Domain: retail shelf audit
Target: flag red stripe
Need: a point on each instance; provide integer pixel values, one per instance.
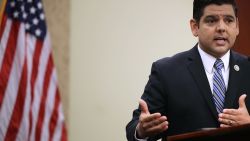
(41, 113)
(35, 64)
(17, 113)
(54, 117)
(8, 59)
(4, 20)
(64, 133)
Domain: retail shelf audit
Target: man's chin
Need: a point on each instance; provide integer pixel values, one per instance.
(221, 52)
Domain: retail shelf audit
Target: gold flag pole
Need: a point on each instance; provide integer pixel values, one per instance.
(2, 7)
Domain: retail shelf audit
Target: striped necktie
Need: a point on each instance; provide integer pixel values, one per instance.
(219, 88)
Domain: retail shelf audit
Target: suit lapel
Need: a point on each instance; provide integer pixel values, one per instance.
(196, 68)
(234, 79)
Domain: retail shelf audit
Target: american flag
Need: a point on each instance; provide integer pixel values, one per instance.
(30, 106)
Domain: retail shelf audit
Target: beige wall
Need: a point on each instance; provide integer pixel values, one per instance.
(112, 46)
(107, 48)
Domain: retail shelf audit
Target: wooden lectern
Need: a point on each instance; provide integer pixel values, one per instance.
(238, 133)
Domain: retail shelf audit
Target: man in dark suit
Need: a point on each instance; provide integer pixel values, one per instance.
(205, 87)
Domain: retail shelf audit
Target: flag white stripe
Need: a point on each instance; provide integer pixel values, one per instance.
(4, 40)
(13, 84)
(30, 43)
(39, 84)
(49, 106)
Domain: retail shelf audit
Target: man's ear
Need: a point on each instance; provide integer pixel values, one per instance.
(194, 27)
(237, 26)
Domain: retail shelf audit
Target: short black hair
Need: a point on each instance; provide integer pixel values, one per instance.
(199, 6)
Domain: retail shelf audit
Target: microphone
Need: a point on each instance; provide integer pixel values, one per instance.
(206, 128)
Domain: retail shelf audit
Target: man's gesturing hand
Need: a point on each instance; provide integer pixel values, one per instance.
(234, 117)
(150, 124)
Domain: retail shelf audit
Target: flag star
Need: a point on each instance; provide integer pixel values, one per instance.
(12, 4)
(32, 10)
(42, 16)
(35, 21)
(25, 15)
(15, 14)
(38, 32)
(39, 5)
(29, 1)
(27, 26)
(22, 7)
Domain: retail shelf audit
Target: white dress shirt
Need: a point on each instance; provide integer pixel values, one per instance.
(208, 63)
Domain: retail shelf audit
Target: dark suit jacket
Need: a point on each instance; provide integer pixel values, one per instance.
(178, 88)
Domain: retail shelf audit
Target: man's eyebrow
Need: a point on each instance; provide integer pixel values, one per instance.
(210, 16)
(229, 16)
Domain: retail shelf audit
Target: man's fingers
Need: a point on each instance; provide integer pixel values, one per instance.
(224, 125)
(151, 117)
(242, 101)
(143, 106)
(159, 128)
(227, 116)
(154, 122)
(225, 121)
(231, 111)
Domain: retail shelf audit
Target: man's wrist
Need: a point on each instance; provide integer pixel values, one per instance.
(137, 136)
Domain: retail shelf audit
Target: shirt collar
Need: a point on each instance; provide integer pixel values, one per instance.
(208, 60)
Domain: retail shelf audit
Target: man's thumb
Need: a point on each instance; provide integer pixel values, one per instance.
(143, 106)
(242, 101)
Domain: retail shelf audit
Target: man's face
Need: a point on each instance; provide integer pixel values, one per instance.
(217, 29)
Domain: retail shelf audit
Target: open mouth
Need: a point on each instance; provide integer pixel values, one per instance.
(220, 40)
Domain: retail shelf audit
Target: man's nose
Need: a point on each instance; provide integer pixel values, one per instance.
(221, 26)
